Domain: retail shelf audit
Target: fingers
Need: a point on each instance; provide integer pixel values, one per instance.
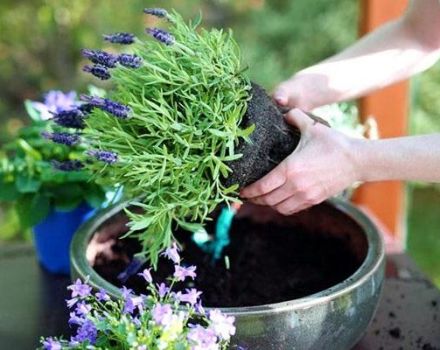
(281, 95)
(276, 196)
(299, 119)
(292, 205)
(268, 183)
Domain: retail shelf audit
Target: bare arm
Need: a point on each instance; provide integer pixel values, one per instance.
(392, 53)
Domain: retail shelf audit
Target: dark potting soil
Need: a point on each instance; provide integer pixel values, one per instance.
(271, 142)
(268, 264)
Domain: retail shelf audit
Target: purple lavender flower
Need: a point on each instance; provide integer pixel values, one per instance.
(202, 338)
(130, 61)
(86, 332)
(120, 38)
(157, 12)
(100, 57)
(51, 344)
(181, 273)
(172, 253)
(161, 35)
(68, 165)
(191, 296)
(146, 274)
(108, 157)
(162, 314)
(63, 138)
(102, 295)
(162, 290)
(55, 102)
(222, 324)
(79, 289)
(99, 71)
(117, 109)
(70, 118)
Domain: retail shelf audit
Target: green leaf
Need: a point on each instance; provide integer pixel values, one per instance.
(31, 111)
(8, 191)
(94, 196)
(32, 209)
(27, 184)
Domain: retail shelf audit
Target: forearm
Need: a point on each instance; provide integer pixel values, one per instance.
(406, 158)
(392, 53)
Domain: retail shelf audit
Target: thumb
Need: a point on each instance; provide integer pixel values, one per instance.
(281, 95)
(298, 118)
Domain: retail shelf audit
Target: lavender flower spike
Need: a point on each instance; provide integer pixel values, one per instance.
(63, 138)
(130, 61)
(117, 109)
(100, 57)
(108, 157)
(70, 118)
(161, 35)
(68, 165)
(157, 12)
(98, 71)
(120, 38)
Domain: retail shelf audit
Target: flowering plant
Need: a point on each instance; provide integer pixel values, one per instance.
(27, 177)
(162, 319)
(170, 126)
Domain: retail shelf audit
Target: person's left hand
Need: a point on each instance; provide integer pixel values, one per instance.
(323, 165)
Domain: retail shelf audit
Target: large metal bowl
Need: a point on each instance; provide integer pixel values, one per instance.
(335, 318)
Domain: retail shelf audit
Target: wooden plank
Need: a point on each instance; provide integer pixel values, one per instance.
(390, 108)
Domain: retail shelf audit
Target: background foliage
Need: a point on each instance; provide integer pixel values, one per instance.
(40, 42)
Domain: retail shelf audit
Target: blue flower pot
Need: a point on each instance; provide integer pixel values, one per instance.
(52, 237)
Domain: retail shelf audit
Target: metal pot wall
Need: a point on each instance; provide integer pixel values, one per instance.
(335, 318)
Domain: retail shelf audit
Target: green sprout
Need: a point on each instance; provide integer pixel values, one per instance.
(186, 96)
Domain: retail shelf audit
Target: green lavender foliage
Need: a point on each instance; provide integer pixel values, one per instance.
(187, 102)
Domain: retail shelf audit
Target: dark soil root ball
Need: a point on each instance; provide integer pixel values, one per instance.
(271, 142)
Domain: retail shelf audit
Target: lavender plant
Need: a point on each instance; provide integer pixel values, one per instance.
(170, 125)
(160, 319)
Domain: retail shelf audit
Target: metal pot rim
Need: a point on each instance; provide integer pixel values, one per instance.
(372, 262)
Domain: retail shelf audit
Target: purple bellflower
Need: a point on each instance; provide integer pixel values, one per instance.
(51, 344)
(55, 102)
(161, 35)
(181, 273)
(120, 38)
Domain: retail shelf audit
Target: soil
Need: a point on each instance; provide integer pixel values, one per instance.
(269, 263)
(271, 142)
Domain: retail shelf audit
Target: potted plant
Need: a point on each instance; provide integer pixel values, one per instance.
(182, 130)
(53, 203)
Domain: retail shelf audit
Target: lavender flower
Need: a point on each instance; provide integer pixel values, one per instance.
(117, 109)
(130, 61)
(146, 274)
(70, 118)
(172, 253)
(79, 289)
(86, 332)
(162, 314)
(100, 57)
(68, 165)
(63, 138)
(157, 12)
(108, 157)
(55, 102)
(191, 297)
(99, 71)
(161, 35)
(51, 344)
(120, 38)
(222, 325)
(181, 273)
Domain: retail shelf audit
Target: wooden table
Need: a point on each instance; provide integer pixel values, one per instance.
(32, 305)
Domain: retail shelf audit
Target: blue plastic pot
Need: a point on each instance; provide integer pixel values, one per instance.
(52, 237)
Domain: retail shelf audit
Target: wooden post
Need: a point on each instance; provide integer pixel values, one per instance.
(386, 200)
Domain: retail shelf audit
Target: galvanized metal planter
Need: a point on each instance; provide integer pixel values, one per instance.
(334, 318)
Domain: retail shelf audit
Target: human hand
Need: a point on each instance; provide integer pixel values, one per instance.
(323, 165)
